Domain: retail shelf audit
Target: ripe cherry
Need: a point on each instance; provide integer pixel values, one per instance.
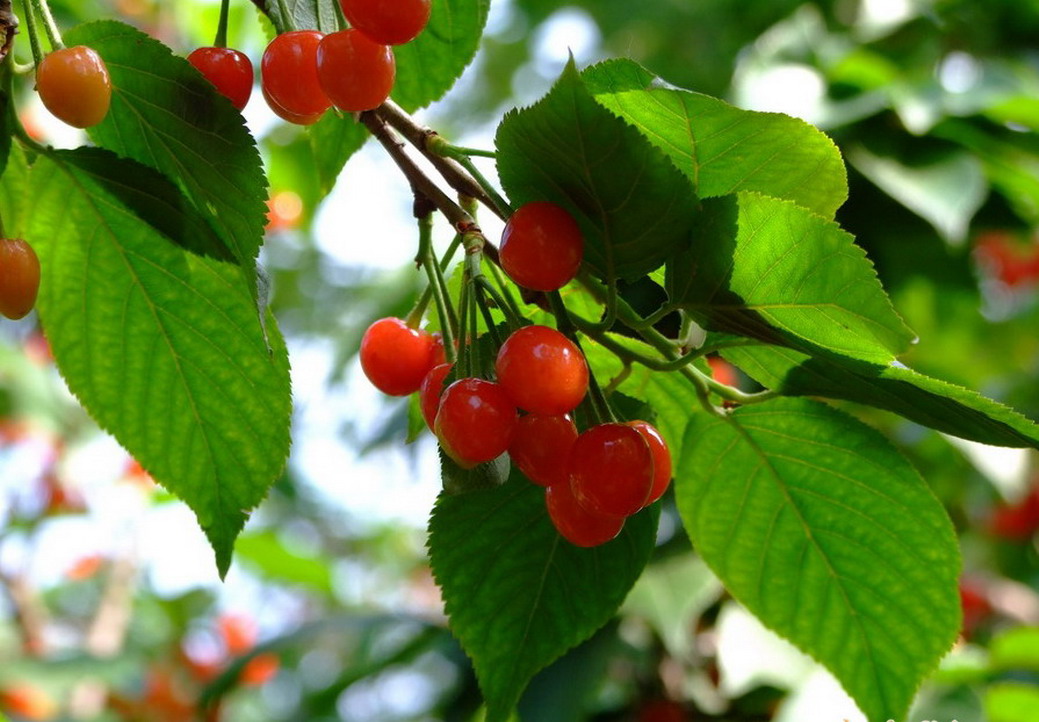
(541, 247)
(575, 523)
(542, 370)
(396, 357)
(475, 422)
(431, 390)
(286, 115)
(19, 277)
(540, 447)
(229, 70)
(288, 72)
(390, 22)
(356, 72)
(74, 85)
(611, 470)
(661, 458)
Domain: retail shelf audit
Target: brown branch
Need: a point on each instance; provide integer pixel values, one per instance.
(30, 614)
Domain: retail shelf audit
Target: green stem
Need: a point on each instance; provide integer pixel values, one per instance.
(600, 406)
(465, 353)
(438, 146)
(53, 33)
(34, 37)
(474, 329)
(655, 317)
(221, 26)
(515, 321)
(341, 20)
(481, 301)
(608, 296)
(446, 314)
(506, 291)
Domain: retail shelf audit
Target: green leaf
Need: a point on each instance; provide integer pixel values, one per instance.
(519, 595)
(268, 554)
(165, 115)
(430, 64)
(1016, 649)
(940, 405)
(13, 199)
(946, 193)
(303, 15)
(160, 345)
(634, 207)
(1011, 702)
(721, 148)
(817, 525)
(769, 269)
(333, 139)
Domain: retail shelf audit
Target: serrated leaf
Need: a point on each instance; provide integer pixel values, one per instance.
(160, 345)
(333, 139)
(519, 595)
(769, 269)
(634, 207)
(721, 148)
(165, 115)
(940, 405)
(430, 64)
(817, 525)
(303, 15)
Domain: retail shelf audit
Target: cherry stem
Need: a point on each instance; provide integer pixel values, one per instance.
(511, 306)
(341, 20)
(53, 33)
(437, 286)
(601, 410)
(34, 38)
(221, 25)
(438, 146)
(453, 173)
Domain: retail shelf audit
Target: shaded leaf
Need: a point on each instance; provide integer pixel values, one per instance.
(818, 526)
(303, 15)
(333, 139)
(160, 345)
(769, 269)
(517, 594)
(940, 405)
(721, 148)
(634, 207)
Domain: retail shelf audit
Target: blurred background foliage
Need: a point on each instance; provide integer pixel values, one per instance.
(110, 610)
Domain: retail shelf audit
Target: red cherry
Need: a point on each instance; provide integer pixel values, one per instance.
(542, 370)
(475, 422)
(576, 524)
(390, 22)
(356, 73)
(19, 277)
(74, 86)
(611, 470)
(286, 115)
(229, 70)
(540, 447)
(661, 458)
(430, 392)
(288, 72)
(396, 357)
(1019, 521)
(541, 247)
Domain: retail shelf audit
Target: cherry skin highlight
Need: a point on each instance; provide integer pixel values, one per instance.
(542, 370)
(611, 470)
(541, 247)
(541, 446)
(74, 86)
(475, 422)
(355, 72)
(390, 22)
(396, 357)
(230, 71)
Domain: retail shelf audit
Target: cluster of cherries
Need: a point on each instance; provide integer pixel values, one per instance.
(593, 480)
(305, 72)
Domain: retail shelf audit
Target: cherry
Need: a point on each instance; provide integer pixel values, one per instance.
(475, 422)
(661, 458)
(390, 22)
(288, 72)
(288, 116)
(19, 277)
(611, 470)
(542, 370)
(396, 357)
(355, 72)
(74, 85)
(229, 70)
(431, 390)
(541, 247)
(540, 447)
(575, 523)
